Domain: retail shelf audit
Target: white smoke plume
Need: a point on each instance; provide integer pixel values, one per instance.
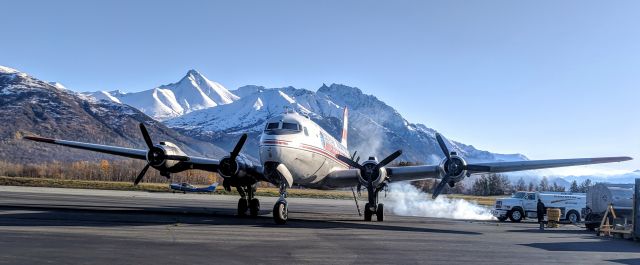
(406, 200)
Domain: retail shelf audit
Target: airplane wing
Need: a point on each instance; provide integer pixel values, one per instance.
(500, 167)
(197, 162)
(157, 155)
(432, 171)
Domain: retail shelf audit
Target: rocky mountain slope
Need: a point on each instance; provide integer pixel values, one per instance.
(29, 106)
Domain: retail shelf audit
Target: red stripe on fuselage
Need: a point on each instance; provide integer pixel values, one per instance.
(314, 150)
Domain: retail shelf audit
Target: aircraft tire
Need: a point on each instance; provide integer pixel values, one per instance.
(280, 212)
(367, 212)
(242, 207)
(380, 212)
(254, 207)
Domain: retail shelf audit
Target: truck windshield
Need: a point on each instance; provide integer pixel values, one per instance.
(518, 195)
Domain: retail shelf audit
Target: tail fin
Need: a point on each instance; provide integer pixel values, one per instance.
(345, 126)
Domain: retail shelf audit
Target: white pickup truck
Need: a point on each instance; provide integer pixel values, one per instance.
(524, 204)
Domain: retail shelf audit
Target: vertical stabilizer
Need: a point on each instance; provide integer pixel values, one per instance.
(345, 126)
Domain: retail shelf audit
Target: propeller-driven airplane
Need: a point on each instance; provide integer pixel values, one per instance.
(186, 187)
(296, 150)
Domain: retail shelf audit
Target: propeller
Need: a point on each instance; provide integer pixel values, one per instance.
(155, 155)
(228, 165)
(454, 166)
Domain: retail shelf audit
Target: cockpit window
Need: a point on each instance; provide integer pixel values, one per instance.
(272, 126)
(290, 126)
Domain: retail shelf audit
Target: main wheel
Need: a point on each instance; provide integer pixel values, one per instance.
(242, 207)
(367, 213)
(516, 216)
(380, 212)
(254, 207)
(573, 217)
(502, 218)
(280, 212)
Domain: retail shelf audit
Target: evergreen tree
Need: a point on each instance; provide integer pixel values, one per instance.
(544, 184)
(520, 185)
(574, 186)
(584, 186)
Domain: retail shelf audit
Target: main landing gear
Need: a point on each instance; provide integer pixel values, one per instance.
(248, 201)
(280, 209)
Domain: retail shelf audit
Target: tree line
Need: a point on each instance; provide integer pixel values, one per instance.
(103, 170)
(497, 184)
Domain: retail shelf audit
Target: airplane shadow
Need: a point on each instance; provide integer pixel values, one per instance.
(80, 215)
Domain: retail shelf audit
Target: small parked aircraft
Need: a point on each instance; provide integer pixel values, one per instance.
(186, 187)
(296, 150)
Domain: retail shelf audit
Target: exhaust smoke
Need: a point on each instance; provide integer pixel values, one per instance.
(406, 200)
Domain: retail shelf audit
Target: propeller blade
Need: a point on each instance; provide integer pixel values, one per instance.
(177, 157)
(354, 155)
(145, 135)
(479, 168)
(443, 146)
(440, 186)
(141, 175)
(349, 161)
(389, 158)
(236, 150)
(357, 159)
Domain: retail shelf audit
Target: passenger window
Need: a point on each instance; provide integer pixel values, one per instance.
(305, 131)
(290, 126)
(272, 126)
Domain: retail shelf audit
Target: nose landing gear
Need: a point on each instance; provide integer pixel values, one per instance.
(280, 209)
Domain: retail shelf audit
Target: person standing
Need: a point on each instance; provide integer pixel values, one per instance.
(540, 214)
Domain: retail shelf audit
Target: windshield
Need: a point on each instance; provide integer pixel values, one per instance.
(290, 126)
(272, 126)
(518, 195)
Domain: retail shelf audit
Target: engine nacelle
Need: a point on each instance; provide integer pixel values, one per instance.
(234, 168)
(156, 156)
(455, 167)
(378, 177)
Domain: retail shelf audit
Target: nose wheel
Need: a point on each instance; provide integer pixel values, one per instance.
(280, 212)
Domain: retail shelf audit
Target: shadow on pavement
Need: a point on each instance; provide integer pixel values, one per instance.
(626, 261)
(79, 215)
(598, 246)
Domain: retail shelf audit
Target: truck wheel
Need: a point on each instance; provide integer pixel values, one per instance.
(573, 217)
(502, 218)
(516, 215)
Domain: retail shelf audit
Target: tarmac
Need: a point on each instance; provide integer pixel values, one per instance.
(75, 226)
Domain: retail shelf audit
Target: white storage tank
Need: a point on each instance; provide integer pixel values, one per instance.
(601, 195)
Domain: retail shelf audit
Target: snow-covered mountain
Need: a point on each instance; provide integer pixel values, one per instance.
(29, 106)
(374, 127)
(193, 92)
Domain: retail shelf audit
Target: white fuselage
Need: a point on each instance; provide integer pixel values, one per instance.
(307, 150)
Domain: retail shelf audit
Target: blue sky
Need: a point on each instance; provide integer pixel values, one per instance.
(549, 79)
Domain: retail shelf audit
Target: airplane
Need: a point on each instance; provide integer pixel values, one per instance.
(295, 150)
(186, 187)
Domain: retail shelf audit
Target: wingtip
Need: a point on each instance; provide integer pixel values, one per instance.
(39, 139)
